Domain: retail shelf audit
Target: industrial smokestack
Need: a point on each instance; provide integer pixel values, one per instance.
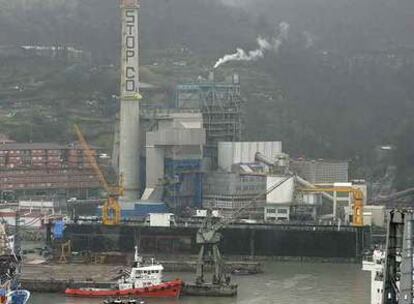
(211, 76)
(129, 113)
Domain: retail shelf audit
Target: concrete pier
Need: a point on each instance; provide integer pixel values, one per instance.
(57, 277)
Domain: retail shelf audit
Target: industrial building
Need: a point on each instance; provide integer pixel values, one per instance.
(239, 178)
(321, 171)
(45, 169)
(177, 146)
(174, 157)
(265, 165)
(221, 106)
(229, 191)
(279, 201)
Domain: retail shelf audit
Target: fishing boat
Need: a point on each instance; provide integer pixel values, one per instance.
(144, 280)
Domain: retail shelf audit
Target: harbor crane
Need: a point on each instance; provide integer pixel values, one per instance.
(209, 237)
(111, 211)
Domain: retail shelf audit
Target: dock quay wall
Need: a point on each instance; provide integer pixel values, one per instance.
(295, 242)
(58, 285)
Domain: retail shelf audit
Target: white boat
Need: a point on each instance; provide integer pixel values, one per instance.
(375, 264)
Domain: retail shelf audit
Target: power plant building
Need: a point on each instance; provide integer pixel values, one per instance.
(221, 106)
(174, 158)
(229, 191)
(321, 171)
(239, 179)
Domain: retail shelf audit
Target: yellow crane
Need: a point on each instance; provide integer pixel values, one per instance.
(357, 200)
(111, 211)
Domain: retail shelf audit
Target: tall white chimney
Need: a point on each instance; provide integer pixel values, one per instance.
(130, 97)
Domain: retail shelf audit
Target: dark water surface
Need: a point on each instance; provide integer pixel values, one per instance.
(281, 283)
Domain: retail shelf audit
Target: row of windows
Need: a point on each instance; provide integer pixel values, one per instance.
(42, 152)
(18, 152)
(237, 189)
(149, 271)
(245, 179)
(59, 171)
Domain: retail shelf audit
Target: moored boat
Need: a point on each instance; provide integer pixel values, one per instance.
(145, 280)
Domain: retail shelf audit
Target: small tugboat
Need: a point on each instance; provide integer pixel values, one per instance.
(145, 280)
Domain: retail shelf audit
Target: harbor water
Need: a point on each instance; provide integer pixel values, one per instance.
(281, 283)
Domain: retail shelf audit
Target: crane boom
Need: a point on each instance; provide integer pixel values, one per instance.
(91, 159)
(111, 211)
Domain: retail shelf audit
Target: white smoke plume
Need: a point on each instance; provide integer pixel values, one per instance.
(264, 46)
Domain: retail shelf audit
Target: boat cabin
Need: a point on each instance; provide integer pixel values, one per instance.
(142, 275)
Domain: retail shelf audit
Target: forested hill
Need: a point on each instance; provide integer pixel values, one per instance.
(340, 85)
(204, 26)
(341, 25)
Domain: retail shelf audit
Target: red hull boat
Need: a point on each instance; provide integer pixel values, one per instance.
(170, 289)
(143, 280)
